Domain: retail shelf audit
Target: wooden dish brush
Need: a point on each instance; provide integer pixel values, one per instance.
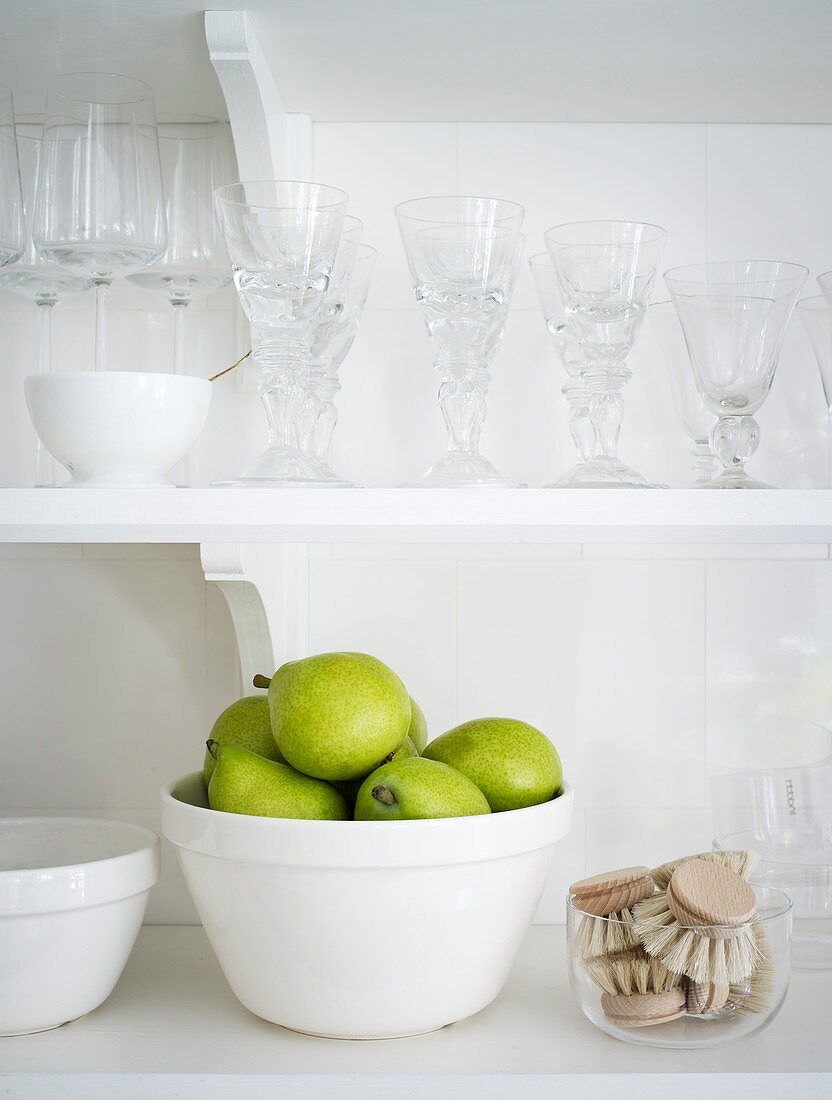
(743, 863)
(754, 994)
(637, 991)
(606, 899)
(701, 925)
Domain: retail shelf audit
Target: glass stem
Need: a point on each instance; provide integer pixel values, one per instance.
(44, 463)
(179, 308)
(101, 303)
(703, 462)
(462, 399)
(734, 439)
(606, 405)
(581, 427)
(283, 366)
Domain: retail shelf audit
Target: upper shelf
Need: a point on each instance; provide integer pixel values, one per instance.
(415, 515)
(465, 61)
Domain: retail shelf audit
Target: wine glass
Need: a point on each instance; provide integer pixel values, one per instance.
(691, 413)
(463, 254)
(12, 226)
(573, 360)
(99, 210)
(605, 272)
(197, 157)
(816, 315)
(734, 316)
(35, 279)
(332, 348)
(283, 238)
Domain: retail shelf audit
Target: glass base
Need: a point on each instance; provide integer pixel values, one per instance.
(457, 470)
(282, 466)
(602, 473)
(733, 479)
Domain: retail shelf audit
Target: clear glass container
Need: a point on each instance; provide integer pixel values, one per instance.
(782, 809)
(12, 226)
(816, 315)
(749, 1007)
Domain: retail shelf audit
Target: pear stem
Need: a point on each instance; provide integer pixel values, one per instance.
(261, 681)
(212, 746)
(383, 794)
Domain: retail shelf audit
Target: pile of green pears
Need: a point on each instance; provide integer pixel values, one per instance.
(338, 737)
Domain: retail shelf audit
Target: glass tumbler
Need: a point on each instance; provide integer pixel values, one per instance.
(282, 239)
(816, 315)
(780, 805)
(605, 273)
(749, 1007)
(463, 254)
(734, 316)
(12, 227)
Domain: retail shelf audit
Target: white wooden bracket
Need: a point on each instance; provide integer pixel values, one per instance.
(265, 586)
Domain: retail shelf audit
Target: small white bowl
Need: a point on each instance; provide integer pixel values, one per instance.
(73, 892)
(118, 429)
(363, 929)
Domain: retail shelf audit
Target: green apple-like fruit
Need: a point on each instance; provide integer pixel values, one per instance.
(418, 732)
(412, 787)
(335, 715)
(245, 783)
(245, 723)
(512, 763)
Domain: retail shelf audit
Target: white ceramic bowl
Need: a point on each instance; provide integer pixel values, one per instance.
(73, 893)
(363, 929)
(115, 429)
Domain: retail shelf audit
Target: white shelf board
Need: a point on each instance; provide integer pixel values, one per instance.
(415, 515)
(173, 1029)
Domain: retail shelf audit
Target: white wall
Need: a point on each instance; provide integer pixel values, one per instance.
(115, 659)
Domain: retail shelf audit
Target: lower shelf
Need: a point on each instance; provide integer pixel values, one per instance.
(173, 1030)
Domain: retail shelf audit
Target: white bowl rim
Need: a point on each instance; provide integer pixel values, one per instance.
(61, 377)
(377, 844)
(51, 889)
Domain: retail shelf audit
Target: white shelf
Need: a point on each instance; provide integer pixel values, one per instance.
(172, 1029)
(415, 515)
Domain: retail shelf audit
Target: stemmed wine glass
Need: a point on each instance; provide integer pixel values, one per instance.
(816, 315)
(605, 272)
(734, 316)
(12, 225)
(35, 279)
(576, 390)
(197, 157)
(99, 210)
(283, 239)
(463, 254)
(332, 346)
(691, 413)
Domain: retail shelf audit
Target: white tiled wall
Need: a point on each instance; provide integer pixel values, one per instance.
(113, 660)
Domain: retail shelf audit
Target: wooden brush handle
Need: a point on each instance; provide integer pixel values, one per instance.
(644, 1009)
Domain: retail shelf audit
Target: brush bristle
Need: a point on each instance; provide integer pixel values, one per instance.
(595, 936)
(689, 952)
(630, 972)
(743, 863)
(753, 995)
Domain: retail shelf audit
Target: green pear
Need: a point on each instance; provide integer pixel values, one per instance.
(512, 763)
(245, 723)
(418, 732)
(349, 788)
(413, 787)
(245, 783)
(335, 715)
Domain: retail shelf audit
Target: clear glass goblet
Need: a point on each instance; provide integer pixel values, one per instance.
(36, 279)
(576, 390)
(197, 157)
(463, 253)
(816, 315)
(605, 272)
(734, 316)
(691, 413)
(282, 238)
(12, 226)
(331, 347)
(99, 209)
